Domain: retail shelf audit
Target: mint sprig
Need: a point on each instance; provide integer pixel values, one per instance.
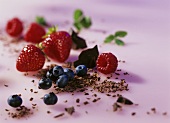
(41, 20)
(80, 20)
(116, 38)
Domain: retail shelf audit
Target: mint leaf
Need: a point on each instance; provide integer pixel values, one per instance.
(78, 26)
(109, 39)
(41, 20)
(119, 42)
(77, 14)
(120, 34)
(81, 21)
(86, 22)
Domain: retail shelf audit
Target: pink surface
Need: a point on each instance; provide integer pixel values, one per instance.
(146, 54)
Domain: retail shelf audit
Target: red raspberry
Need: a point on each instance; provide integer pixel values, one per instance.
(14, 27)
(35, 33)
(107, 63)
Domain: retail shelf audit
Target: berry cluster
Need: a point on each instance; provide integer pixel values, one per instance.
(60, 76)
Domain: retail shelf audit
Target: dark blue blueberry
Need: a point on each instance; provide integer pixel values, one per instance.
(50, 75)
(45, 83)
(57, 71)
(81, 70)
(62, 81)
(14, 101)
(69, 73)
(50, 99)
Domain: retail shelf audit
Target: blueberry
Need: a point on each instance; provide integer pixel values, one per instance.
(57, 71)
(62, 81)
(50, 99)
(45, 83)
(81, 70)
(69, 73)
(14, 101)
(50, 75)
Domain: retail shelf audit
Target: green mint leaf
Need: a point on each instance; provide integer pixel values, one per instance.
(120, 34)
(41, 20)
(119, 42)
(109, 39)
(86, 22)
(78, 42)
(78, 26)
(124, 100)
(77, 15)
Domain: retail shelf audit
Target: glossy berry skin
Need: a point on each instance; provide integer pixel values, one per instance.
(58, 45)
(45, 83)
(14, 101)
(62, 81)
(14, 27)
(57, 71)
(107, 63)
(50, 75)
(69, 73)
(81, 70)
(31, 58)
(34, 33)
(50, 99)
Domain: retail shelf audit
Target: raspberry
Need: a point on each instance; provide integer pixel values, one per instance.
(35, 33)
(14, 27)
(107, 63)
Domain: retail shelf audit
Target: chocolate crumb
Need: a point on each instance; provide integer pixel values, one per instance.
(59, 115)
(77, 100)
(33, 81)
(133, 113)
(153, 109)
(31, 90)
(86, 93)
(31, 99)
(6, 109)
(86, 112)
(148, 112)
(164, 113)
(6, 85)
(86, 102)
(65, 101)
(70, 110)
(48, 112)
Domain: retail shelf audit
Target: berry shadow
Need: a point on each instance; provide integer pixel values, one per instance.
(129, 77)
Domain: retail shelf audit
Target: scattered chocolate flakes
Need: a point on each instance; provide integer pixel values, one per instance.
(6, 85)
(124, 100)
(31, 99)
(116, 107)
(148, 112)
(117, 74)
(164, 113)
(133, 113)
(59, 115)
(126, 73)
(153, 110)
(88, 57)
(48, 112)
(95, 100)
(86, 112)
(20, 112)
(6, 109)
(86, 93)
(77, 100)
(70, 110)
(31, 90)
(33, 81)
(65, 101)
(86, 102)
(35, 92)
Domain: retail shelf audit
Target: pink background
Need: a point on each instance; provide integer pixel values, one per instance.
(146, 54)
